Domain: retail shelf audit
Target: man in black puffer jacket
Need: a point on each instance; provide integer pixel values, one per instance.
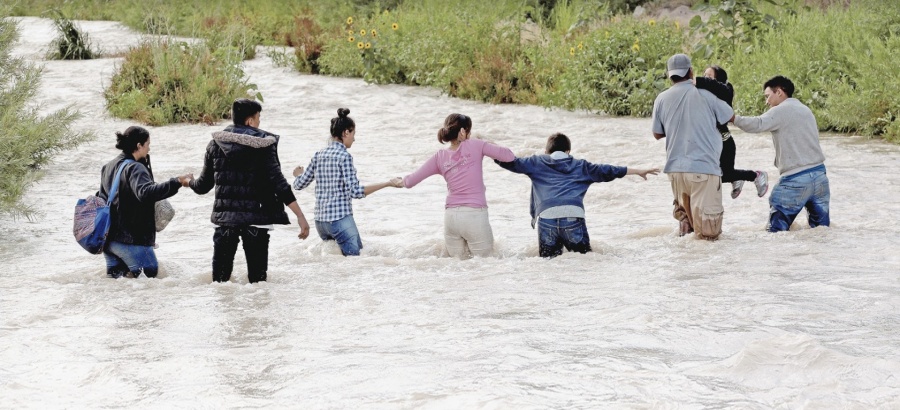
(251, 192)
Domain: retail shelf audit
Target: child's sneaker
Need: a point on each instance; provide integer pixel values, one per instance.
(762, 183)
(736, 188)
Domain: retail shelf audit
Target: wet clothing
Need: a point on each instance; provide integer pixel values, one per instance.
(687, 117)
(799, 158)
(336, 182)
(725, 92)
(559, 183)
(795, 134)
(462, 169)
(242, 163)
(132, 211)
(560, 180)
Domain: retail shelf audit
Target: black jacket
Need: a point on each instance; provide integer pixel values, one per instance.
(242, 163)
(132, 210)
(722, 91)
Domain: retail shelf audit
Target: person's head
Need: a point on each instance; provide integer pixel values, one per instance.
(678, 68)
(135, 141)
(456, 127)
(245, 111)
(717, 73)
(343, 129)
(778, 89)
(558, 142)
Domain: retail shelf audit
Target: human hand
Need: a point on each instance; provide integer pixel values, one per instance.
(185, 180)
(396, 182)
(304, 227)
(643, 172)
(298, 171)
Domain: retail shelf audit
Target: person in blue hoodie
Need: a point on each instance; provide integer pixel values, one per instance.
(558, 185)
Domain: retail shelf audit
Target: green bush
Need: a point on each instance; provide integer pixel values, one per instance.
(618, 69)
(28, 139)
(165, 81)
(841, 62)
(71, 43)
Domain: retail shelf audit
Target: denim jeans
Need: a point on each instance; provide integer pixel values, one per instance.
(554, 234)
(807, 189)
(344, 232)
(125, 259)
(256, 250)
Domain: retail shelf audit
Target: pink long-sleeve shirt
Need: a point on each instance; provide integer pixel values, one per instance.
(462, 169)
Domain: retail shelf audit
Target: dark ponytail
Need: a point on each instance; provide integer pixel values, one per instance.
(128, 141)
(342, 123)
(452, 125)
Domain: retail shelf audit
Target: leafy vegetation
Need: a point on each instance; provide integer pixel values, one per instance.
(28, 139)
(71, 43)
(574, 54)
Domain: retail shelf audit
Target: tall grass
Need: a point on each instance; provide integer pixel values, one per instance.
(29, 139)
(71, 43)
(560, 53)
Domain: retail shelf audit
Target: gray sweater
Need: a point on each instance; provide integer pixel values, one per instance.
(794, 133)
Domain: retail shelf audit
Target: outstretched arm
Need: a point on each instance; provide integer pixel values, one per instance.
(394, 182)
(642, 172)
(427, 169)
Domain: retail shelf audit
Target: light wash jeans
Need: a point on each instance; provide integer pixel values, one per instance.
(807, 189)
(467, 231)
(126, 259)
(344, 232)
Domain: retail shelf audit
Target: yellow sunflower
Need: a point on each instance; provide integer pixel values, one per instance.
(395, 26)
(362, 32)
(572, 51)
(350, 39)
(368, 44)
(652, 22)
(349, 21)
(360, 45)
(374, 33)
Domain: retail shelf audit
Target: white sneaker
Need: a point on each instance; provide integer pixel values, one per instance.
(762, 183)
(736, 188)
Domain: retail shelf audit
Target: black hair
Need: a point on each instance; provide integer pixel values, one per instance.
(782, 82)
(242, 109)
(558, 142)
(342, 123)
(128, 141)
(719, 74)
(452, 125)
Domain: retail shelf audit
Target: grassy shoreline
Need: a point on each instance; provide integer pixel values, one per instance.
(572, 54)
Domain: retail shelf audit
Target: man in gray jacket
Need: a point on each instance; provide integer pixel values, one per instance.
(798, 156)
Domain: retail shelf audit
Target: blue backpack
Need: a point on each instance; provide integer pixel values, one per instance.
(92, 217)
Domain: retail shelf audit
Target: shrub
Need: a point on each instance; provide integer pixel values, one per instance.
(619, 68)
(165, 81)
(71, 43)
(28, 139)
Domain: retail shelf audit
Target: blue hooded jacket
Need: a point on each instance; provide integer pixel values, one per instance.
(558, 182)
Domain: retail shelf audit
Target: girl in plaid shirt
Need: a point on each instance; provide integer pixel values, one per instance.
(336, 185)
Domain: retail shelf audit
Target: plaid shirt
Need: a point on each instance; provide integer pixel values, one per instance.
(336, 182)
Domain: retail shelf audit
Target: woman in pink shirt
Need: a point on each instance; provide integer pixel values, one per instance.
(466, 226)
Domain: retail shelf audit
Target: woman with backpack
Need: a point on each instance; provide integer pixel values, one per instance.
(132, 232)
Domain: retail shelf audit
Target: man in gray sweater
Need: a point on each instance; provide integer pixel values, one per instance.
(798, 157)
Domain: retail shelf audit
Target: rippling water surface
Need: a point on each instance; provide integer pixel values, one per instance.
(804, 319)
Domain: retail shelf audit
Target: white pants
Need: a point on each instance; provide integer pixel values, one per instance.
(467, 231)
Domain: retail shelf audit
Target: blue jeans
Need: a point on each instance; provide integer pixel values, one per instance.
(554, 234)
(123, 258)
(807, 189)
(344, 232)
